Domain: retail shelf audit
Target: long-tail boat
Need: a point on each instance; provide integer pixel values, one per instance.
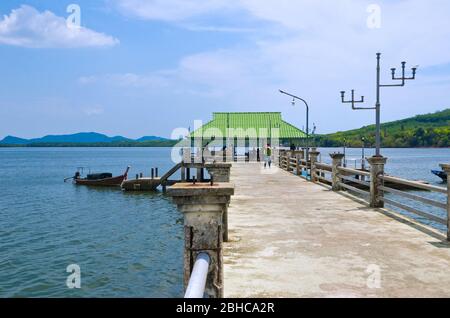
(440, 174)
(101, 179)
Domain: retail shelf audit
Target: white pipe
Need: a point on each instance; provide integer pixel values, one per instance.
(197, 282)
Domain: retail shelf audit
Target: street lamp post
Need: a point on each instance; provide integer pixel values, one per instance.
(363, 162)
(307, 119)
(345, 154)
(377, 107)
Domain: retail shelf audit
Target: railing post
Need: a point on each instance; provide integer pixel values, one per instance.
(298, 157)
(286, 161)
(302, 154)
(446, 168)
(314, 155)
(337, 162)
(289, 156)
(301, 157)
(221, 172)
(203, 206)
(376, 171)
(280, 158)
(283, 157)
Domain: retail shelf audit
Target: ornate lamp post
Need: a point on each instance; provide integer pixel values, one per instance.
(377, 107)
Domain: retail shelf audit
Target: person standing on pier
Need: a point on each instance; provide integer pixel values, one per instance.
(268, 157)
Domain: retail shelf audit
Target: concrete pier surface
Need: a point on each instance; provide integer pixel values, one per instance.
(293, 238)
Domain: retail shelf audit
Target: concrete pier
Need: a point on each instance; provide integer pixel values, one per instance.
(293, 238)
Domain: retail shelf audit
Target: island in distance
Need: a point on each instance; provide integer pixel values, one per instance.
(89, 139)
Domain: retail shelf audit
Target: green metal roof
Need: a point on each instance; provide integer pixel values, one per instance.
(245, 125)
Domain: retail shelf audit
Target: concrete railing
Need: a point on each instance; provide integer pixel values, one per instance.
(371, 185)
(427, 202)
(322, 171)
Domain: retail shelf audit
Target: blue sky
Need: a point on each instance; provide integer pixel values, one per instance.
(147, 67)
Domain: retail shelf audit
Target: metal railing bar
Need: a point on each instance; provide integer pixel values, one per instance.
(415, 197)
(364, 183)
(354, 171)
(346, 186)
(415, 211)
(414, 184)
(324, 179)
(324, 166)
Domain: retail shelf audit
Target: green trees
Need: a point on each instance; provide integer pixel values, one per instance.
(430, 130)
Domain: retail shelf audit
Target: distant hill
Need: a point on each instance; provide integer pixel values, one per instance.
(11, 140)
(430, 130)
(90, 139)
(150, 138)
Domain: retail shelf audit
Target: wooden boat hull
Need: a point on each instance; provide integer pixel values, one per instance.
(106, 182)
(109, 182)
(142, 184)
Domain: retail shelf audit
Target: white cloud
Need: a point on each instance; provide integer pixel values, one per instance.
(314, 48)
(93, 111)
(156, 80)
(172, 10)
(27, 27)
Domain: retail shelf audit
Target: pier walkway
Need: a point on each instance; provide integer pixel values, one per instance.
(293, 238)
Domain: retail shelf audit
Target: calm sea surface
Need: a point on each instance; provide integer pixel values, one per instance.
(127, 245)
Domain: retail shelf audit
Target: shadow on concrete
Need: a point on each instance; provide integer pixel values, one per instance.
(418, 226)
(403, 219)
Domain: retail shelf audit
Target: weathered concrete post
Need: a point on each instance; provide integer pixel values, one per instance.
(282, 159)
(288, 160)
(298, 158)
(203, 206)
(446, 168)
(220, 172)
(302, 154)
(314, 155)
(376, 170)
(337, 162)
(285, 160)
